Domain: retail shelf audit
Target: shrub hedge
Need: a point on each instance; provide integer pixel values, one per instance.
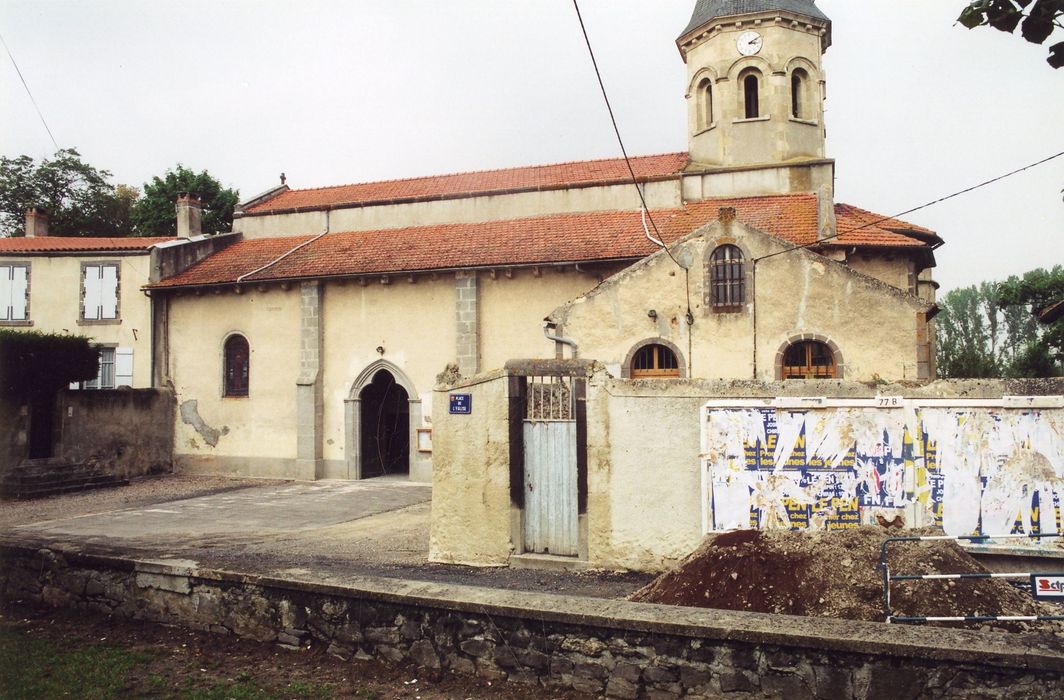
(32, 362)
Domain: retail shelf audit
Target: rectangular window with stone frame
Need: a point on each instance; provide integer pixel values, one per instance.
(99, 292)
(15, 293)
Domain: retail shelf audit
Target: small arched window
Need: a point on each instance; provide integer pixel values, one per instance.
(705, 104)
(237, 366)
(799, 83)
(655, 362)
(809, 360)
(727, 278)
(751, 96)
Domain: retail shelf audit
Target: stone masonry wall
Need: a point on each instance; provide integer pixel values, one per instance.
(620, 649)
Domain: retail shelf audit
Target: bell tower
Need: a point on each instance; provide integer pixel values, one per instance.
(755, 95)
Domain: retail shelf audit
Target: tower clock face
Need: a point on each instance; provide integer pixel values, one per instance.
(749, 43)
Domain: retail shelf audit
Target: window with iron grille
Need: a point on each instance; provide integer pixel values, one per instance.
(809, 360)
(655, 361)
(727, 277)
(237, 366)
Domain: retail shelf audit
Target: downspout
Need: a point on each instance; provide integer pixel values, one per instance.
(753, 302)
(559, 340)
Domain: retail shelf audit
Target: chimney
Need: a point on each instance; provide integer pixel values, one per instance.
(36, 223)
(189, 215)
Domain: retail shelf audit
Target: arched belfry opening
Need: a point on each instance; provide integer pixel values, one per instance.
(385, 427)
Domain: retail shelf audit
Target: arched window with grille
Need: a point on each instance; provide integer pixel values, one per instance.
(751, 96)
(654, 361)
(809, 359)
(727, 277)
(237, 366)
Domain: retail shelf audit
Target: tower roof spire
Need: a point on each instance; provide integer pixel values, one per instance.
(707, 10)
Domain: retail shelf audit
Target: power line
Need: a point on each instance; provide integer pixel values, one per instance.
(28, 92)
(617, 131)
(910, 211)
(628, 162)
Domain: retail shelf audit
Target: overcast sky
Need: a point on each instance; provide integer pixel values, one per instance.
(332, 92)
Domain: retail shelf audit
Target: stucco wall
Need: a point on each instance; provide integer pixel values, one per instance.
(125, 432)
(14, 433)
(471, 513)
(55, 304)
(252, 435)
(659, 195)
(895, 270)
(797, 293)
(644, 464)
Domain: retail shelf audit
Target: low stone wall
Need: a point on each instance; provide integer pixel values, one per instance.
(621, 649)
(125, 432)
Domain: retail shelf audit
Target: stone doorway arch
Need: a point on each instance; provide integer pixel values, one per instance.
(354, 437)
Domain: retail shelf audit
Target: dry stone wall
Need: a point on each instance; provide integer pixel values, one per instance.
(619, 649)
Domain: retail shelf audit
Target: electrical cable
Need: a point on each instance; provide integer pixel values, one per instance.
(628, 161)
(910, 211)
(28, 92)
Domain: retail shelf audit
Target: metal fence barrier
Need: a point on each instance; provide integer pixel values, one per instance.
(1043, 586)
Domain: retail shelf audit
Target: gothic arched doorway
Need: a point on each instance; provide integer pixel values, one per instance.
(385, 427)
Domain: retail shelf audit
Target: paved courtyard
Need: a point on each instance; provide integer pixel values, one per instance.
(325, 531)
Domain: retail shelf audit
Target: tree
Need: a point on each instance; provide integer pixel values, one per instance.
(78, 197)
(154, 213)
(991, 330)
(1036, 25)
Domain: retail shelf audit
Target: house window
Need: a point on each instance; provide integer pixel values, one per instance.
(799, 80)
(809, 360)
(751, 96)
(105, 379)
(727, 277)
(705, 104)
(237, 366)
(654, 362)
(14, 293)
(99, 292)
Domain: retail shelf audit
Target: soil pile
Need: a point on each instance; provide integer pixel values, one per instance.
(833, 574)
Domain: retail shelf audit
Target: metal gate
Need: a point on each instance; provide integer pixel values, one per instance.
(550, 467)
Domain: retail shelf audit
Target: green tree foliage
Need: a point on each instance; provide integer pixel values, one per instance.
(39, 364)
(991, 330)
(78, 198)
(1037, 20)
(154, 212)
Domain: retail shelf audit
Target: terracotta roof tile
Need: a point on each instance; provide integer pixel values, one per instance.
(63, 244)
(588, 237)
(861, 227)
(538, 177)
(598, 236)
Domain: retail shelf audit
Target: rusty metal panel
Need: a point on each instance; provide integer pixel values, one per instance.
(550, 514)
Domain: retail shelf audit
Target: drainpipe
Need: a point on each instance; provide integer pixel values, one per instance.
(753, 302)
(547, 326)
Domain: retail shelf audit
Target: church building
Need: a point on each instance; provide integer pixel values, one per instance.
(306, 344)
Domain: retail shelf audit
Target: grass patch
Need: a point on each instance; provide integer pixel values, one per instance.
(37, 668)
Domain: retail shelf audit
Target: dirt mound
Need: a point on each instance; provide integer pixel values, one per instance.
(832, 574)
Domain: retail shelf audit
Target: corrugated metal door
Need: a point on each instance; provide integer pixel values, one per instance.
(550, 515)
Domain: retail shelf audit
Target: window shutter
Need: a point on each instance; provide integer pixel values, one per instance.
(92, 292)
(124, 367)
(19, 287)
(5, 293)
(109, 292)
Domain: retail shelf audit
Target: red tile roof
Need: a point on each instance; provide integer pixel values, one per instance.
(537, 177)
(598, 236)
(63, 244)
(861, 227)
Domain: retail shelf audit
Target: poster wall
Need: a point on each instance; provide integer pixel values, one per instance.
(984, 468)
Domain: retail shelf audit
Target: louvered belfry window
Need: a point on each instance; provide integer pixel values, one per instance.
(727, 277)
